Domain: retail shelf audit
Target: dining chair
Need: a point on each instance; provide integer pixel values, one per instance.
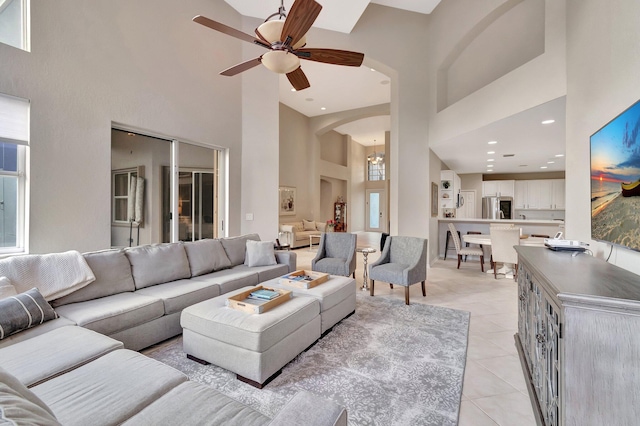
(502, 242)
(467, 244)
(403, 261)
(465, 251)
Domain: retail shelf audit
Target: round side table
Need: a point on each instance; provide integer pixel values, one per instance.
(365, 275)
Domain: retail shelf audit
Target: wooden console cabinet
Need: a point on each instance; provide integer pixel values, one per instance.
(579, 338)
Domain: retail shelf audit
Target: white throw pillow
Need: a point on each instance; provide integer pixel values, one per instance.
(6, 288)
(321, 226)
(260, 253)
(308, 225)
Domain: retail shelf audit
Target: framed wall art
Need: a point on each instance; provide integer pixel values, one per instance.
(287, 200)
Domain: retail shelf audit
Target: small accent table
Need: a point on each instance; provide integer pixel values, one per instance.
(365, 275)
(311, 237)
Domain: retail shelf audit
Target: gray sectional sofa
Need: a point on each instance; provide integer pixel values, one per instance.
(81, 368)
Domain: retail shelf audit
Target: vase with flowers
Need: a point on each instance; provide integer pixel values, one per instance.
(330, 225)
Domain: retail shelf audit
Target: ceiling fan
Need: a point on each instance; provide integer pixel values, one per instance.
(286, 41)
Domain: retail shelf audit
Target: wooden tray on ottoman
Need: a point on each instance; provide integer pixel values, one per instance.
(241, 301)
(304, 279)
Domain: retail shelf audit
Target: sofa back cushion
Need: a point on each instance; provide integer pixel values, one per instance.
(20, 406)
(6, 288)
(236, 247)
(206, 256)
(158, 263)
(113, 275)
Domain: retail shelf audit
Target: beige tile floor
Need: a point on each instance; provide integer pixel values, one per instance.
(494, 391)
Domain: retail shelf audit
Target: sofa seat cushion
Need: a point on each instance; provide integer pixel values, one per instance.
(113, 275)
(20, 406)
(254, 332)
(265, 273)
(109, 390)
(36, 331)
(177, 295)
(111, 314)
(158, 263)
(193, 403)
(53, 353)
(231, 279)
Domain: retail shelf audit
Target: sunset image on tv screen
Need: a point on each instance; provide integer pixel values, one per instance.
(615, 180)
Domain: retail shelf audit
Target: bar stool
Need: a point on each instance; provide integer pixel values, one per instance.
(473, 233)
(446, 244)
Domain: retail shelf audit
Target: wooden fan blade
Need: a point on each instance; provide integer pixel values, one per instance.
(225, 29)
(237, 69)
(298, 79)
(332, 56)
(302, 15)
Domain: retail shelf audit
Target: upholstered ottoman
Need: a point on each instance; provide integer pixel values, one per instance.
(254, 346)
(337, 298)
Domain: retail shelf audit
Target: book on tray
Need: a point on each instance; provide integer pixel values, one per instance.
(264, 294)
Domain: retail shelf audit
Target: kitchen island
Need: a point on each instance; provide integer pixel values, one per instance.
(539, 227)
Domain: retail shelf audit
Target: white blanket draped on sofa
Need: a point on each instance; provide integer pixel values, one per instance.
(55, 274)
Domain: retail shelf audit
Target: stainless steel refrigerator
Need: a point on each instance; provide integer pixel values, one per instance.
(497, 208)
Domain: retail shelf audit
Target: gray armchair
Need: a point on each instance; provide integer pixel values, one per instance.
(336, 254)
(403, 262)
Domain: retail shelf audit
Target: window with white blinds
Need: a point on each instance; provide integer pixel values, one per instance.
(14, 23)
(14, 142)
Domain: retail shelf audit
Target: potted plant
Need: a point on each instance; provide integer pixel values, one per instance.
(330, 225)
(446, 184)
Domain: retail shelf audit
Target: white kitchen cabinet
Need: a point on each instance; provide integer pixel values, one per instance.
(558, 192)
(500, 188)
(521, 195)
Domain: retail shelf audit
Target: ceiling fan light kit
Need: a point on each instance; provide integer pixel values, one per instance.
(285, 40)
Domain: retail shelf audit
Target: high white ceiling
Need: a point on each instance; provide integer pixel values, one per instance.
(337, 88)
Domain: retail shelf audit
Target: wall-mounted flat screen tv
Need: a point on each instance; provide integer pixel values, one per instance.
(615, 180)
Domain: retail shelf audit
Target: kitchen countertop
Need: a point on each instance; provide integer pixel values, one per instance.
(518, 221)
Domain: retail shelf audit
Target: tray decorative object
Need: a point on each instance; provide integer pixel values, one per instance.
(258, 299)
(304, 279)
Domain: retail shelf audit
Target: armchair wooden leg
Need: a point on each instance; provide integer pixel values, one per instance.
(495, 270)
(390, 285)
(371, 288)
(424, 290)
(406, 295)
(482, 263)
(515, 272)
(459, 259)
(354, 275)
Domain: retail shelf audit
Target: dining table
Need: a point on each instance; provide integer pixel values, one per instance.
(485, 240)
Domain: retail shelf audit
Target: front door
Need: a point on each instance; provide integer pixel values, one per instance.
(376, 210)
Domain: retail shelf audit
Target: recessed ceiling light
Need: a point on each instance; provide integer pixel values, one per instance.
(490, 159)
(491, 152)
(543, 167)
(492, 142)
(293, 90)
(372, 69)
(309, 99)
(323, 108)
(489, 165)
(550, 162)
(548, 121)
(489, 170)
(559, 155)
(131, 134)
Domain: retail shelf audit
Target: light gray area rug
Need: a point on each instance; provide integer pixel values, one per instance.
(389, 364)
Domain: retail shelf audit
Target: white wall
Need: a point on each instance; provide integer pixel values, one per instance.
(603, 79)
(143, 64)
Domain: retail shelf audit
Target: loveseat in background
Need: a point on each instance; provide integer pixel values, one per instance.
(298, 231)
